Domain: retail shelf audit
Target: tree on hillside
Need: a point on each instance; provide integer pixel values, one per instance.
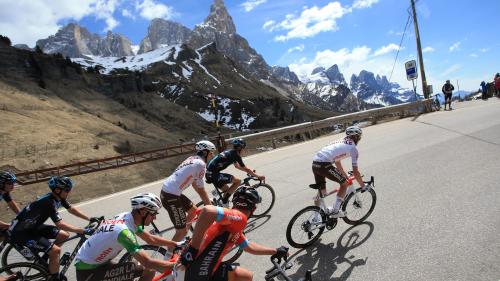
(5, 40)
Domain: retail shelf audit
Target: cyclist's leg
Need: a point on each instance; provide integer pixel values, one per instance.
(222, 182)
(175, 209)
(319, 179)
(229, 272)
(335, 175)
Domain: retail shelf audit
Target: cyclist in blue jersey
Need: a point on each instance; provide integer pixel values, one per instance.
(29, 228)
(221, 162)
(7, 181)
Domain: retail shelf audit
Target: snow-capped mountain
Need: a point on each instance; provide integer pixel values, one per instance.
(164, 33)
(75, 41)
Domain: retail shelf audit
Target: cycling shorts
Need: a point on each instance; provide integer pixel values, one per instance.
(37, 240)
(219, 179)
(111, 271)
(222, 273)
(322, 170)
(176, 206)
(447, 96)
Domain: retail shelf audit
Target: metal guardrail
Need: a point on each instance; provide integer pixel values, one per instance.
(374, 114)
(35, 176)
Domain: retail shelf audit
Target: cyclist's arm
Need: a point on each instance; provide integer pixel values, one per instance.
(257, 249)
(4, 225)
(76, 212)
(148, 262)
(357, 175)
(203, 194)
(13, 206)
(339, 167)
(156, 240)
(207, 215)
(248, 171)
(68, 227)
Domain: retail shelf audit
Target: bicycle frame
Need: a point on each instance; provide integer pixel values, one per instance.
(320, 196)
(245, 182)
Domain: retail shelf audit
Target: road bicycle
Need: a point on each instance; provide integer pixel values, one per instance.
(279, 270)
(308, 224)
(435, 104)
(35, 265)
(266, 192)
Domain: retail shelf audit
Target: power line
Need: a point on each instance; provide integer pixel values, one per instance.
(400, 43)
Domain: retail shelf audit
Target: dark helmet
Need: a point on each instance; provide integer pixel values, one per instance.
(246, 198)
(7, 177)
(239, 142)
(60, 182)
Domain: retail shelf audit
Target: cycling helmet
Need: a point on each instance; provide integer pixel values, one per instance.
(146, 200)
(239, 142)
(204, 145)
(60, 182)
(7, 177)
(246, 198)
(353, 131)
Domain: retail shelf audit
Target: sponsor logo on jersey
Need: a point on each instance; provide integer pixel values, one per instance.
(103, 254)
(209, 258)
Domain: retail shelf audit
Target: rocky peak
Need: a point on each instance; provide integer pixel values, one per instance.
(163, 32)
(75, 41)
(334, 75)
(220, 19)
(286, 74)
(318, 70)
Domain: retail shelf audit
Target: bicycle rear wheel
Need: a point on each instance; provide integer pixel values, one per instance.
(306, 227)
(268, 196)
(359, 205)
(25, 271)
(152, 251)
(11, 255)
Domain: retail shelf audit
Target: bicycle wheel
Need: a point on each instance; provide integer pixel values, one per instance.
(153, 251)
(359, 205)
(266, 192)
(233, 255)
(11, 255)
(25, 271)
(305, 227)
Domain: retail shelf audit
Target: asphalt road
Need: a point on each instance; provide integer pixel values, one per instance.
(438, 201)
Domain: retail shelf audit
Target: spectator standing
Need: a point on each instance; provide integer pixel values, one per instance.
(447, 91)
(496, 81)
(484, 90)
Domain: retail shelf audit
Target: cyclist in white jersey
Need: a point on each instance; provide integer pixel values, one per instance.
(94, 259)
(190, 172)
(333, 153)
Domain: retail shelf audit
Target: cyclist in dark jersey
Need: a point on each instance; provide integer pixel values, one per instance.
(221, 162)
(217, 231)
(7, 181)
(29, 228)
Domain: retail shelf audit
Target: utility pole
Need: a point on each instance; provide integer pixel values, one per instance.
(419, 48)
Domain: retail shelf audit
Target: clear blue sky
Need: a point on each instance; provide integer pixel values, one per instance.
(461, 38)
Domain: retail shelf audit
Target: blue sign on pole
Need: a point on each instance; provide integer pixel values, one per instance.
(411, 70)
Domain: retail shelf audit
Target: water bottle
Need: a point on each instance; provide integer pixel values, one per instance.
(215, 193)
(64, 259)
(26, 252)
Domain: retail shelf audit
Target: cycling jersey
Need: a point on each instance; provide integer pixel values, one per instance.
(189, 171)
(337, 151)
(219, 239)
(5, 196)
(36, 213)
(223, 160)
(108, 241)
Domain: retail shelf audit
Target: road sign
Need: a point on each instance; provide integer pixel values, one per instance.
(411, 70)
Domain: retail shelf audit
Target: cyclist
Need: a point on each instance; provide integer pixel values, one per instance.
(94, 259)
(322, 166)
(7, 181)
(189, 172)
(221, 162)
(217, 231)
(29, 228)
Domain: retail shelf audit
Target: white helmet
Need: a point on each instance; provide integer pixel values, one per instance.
(146, 200)
(204, 145)
(353, 131)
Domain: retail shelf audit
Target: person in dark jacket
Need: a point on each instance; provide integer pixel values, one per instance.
(447, 91)
(484, 90)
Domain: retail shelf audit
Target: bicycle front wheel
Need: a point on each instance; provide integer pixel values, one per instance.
(266, 192)
(305, 227)
(152, 251)
(24, 271)
(359, 205)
